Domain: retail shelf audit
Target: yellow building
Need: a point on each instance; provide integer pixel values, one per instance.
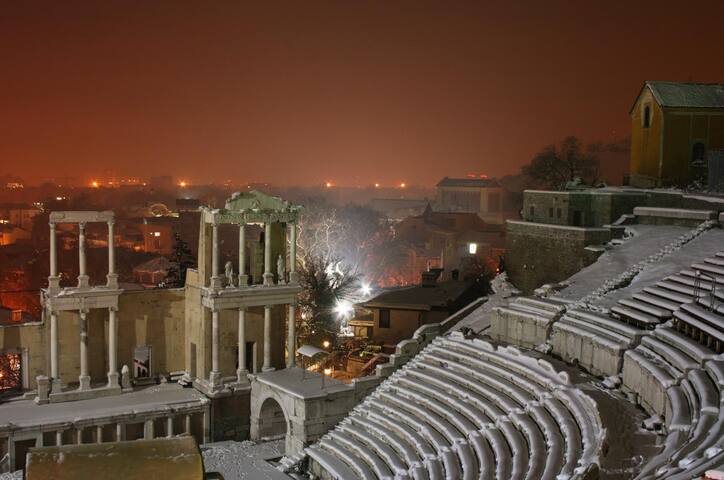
(674, 127)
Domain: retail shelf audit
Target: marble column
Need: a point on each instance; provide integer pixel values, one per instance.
(148, 431)
(268, 275)
(243, 368)
(99, 433)
(56, 384)
(169, 427)
(53, 279)
(58, 438)
(112, 348)
(293, 277)
(215, 278)
(215, 375)
(243, 277)
(267, 366)
(82, 276)
(187, 424)
(120, 432)
(112, 277)
(292, 336)
(84, 378)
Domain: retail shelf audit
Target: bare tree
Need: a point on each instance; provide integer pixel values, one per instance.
(556, 166)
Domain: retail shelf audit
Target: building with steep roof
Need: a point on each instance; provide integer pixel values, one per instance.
(676, 130)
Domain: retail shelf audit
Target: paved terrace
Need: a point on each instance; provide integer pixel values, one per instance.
(26, 413)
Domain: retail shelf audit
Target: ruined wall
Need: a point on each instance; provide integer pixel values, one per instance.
(539, 254)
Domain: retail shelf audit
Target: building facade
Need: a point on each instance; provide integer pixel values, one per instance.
(675, 129)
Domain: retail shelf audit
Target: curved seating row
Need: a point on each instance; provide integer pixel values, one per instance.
(594, 341)
(656, 304)
(463, 409)
(682, 381)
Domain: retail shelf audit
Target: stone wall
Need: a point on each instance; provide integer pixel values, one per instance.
(539, 253)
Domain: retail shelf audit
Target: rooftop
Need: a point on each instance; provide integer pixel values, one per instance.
(691, 95)
(468, 182)
(417, 297)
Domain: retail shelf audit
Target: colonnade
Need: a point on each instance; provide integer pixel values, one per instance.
(82, 286)
(242, 279)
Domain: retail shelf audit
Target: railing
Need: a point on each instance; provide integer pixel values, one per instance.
(698, 275)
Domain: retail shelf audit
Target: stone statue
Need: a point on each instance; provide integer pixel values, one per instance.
(125, 378)
(229, 269)
(280, 269)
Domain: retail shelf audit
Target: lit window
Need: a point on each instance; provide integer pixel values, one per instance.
(472, 248)
(156, 234)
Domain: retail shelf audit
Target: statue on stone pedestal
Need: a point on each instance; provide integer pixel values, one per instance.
(229, 268)
(280, 269)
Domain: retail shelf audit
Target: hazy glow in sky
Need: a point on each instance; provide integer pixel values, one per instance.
(316, 91)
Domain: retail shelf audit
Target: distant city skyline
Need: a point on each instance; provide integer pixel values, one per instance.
(352, 94)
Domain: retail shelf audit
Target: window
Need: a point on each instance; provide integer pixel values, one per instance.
(11, 377)
(646, 118)
(472, 248)
(558, 213)
(531, 211)
(384, 318)
(550, 212)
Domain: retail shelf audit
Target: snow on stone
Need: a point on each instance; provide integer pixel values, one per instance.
(243, 460)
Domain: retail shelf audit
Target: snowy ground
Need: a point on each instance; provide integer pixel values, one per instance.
(156, 397)
(17, 475)
(242, 460)
(479, 319)
(649, 241)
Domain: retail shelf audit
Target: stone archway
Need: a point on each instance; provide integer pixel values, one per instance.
(272, 421)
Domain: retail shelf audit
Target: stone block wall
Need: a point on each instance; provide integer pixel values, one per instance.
(539, 253)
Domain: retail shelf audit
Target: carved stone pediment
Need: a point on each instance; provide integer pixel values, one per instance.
(258, 202)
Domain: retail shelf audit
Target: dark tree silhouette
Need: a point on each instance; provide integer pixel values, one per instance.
(181, 260)
(557, 166)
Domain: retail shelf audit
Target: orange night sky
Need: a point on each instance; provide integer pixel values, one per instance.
(350, 91)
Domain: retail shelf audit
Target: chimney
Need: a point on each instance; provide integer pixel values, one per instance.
(429, 278)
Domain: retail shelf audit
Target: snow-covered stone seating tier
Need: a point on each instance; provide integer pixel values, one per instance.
(704, 282)
(682, 381)
(595, 342)
(525, 321)
(463, 409)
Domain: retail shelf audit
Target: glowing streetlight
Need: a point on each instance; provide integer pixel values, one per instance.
(403, 185)
(344, 309)
(366, 289)
(182, 184)
(328, 184)
(328, 371)
(94, 184)
(377, 185)
(325, 344)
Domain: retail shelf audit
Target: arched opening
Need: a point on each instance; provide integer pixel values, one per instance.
(272, 421)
